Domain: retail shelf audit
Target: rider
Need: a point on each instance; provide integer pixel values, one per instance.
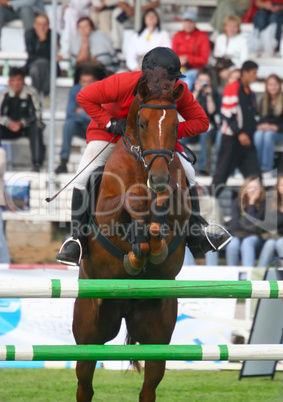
(107, 102)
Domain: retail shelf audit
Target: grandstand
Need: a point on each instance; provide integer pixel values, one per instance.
(18, 153)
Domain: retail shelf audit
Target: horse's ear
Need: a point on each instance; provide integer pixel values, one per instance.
(143, 90)
(178, 92)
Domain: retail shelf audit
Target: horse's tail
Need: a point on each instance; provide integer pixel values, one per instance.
(135, 363)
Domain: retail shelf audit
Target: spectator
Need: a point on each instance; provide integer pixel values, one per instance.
(20, 9)
(72, 10)
(226, 8)
(269, 12)
(238, 113)
(123, 17)
(248, 212)
(192, 46)
(20, 115)
(4, 251)
(234, 75)
(270, 127)
(38, 43)
(91, 45)
(210, 102)
(149, 36)
(101, 15)
(221, 74)
(231, 44)
(77, 120)
(274, 246)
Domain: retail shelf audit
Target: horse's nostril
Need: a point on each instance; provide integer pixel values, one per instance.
(159, 183)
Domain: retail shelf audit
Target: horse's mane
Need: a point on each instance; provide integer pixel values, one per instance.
(158, 84)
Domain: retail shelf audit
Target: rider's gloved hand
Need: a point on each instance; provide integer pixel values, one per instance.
(117, 127)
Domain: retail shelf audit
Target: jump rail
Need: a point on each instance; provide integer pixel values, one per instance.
(141, 352)
(139, 289)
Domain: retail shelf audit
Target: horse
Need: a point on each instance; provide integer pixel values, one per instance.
(144, 189)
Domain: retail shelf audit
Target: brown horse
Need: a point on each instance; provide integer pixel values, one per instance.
(143, 189)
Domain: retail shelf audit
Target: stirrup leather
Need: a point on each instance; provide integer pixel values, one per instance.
(80, 246)
(222, 228)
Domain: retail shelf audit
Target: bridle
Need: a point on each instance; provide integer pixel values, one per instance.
(139, 152)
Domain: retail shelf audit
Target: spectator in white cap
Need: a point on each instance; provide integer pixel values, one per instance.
(192, 46)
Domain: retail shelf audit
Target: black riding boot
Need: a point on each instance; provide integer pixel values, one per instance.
(198, 241)
(73, 246)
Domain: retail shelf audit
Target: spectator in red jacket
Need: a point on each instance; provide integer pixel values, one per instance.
(192, 46)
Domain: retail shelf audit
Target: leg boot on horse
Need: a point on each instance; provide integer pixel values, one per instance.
(73, 246)
(198, 241)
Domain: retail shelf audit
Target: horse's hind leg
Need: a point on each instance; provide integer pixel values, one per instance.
(84, 371)
(95, 322)
(153, 374)
(152, 323)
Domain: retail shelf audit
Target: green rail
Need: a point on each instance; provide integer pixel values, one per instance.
(141, 352)
(142, 289)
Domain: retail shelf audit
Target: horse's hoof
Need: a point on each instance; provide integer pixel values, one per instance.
(159, 258)
(130, 268)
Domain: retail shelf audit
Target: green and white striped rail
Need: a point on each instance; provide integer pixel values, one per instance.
(142, 289)
(141, 352)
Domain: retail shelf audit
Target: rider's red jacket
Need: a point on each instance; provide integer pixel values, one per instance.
(113, 96)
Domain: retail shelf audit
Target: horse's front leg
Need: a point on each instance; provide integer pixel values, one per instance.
(137, 209)
(158, 245)
(172, 206)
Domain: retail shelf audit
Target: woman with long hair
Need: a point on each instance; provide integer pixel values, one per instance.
(149, 36)
(274, 246)
(248, 214)
(270, 127)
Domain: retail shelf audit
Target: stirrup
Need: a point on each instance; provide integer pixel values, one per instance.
(225, 232)
(71, 239)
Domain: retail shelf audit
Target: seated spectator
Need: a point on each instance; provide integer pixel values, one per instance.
(231, 44)
(25, 10)
(123, 17)
(72, 10)
(101, 15)
(269, 12)
(149, 37)
(248, 211)
(274, 246)
(238, 114)
(38, 44)
(270, 127)
(91, 45)
(4, 251)
(210, 102)
(20, 115)
(193, 48)
(226, 8)
(77, 120)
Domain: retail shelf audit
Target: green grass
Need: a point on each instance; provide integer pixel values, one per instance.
(50, 385)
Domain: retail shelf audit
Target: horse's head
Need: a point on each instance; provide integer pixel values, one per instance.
(157, 125)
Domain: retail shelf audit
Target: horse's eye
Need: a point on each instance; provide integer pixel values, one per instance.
(142, 125)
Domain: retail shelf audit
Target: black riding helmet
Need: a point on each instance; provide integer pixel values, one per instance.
(163, 57)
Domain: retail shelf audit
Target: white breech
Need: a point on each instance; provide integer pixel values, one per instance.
(92, 149)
